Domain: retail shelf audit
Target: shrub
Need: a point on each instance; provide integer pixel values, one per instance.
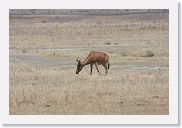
(24, 51)
(148, 54)
(54, 54)
(44, 21)
(107, 43)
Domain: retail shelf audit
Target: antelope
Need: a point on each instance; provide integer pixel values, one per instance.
(94, 58)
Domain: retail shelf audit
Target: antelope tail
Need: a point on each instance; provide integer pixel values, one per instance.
(108, 64)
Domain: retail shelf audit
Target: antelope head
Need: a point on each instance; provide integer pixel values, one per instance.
(79, 66)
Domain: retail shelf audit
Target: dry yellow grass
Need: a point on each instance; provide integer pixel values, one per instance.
(40, 83)
(36, 90)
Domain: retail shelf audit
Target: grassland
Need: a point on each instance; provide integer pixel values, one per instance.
(43, 50)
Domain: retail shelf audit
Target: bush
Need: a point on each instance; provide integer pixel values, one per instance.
(148, 54)
(54, 54)
(44, 21)
(107, 43)
(24, 51)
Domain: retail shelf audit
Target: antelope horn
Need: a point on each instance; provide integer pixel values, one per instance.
(78, 59)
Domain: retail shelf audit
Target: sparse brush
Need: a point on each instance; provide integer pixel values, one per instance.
(24, 51)
(107, 43)
(148, 54)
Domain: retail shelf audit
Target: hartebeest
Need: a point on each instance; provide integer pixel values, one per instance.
(97, 58)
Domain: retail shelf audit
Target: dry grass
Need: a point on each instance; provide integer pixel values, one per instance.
(54, 91)
(127, 39)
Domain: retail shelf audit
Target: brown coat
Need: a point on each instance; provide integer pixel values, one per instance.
(97, 58)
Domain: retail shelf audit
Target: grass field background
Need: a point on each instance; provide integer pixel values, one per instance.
(43, 51)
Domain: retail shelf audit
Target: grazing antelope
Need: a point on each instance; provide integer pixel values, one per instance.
(96, 58)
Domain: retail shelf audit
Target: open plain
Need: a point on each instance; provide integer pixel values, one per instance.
(43, 51)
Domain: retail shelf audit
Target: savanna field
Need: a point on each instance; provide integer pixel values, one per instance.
(43, 51)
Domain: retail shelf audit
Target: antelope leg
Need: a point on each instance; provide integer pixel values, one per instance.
(91, 66)
(97, 68)
(105, 66)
